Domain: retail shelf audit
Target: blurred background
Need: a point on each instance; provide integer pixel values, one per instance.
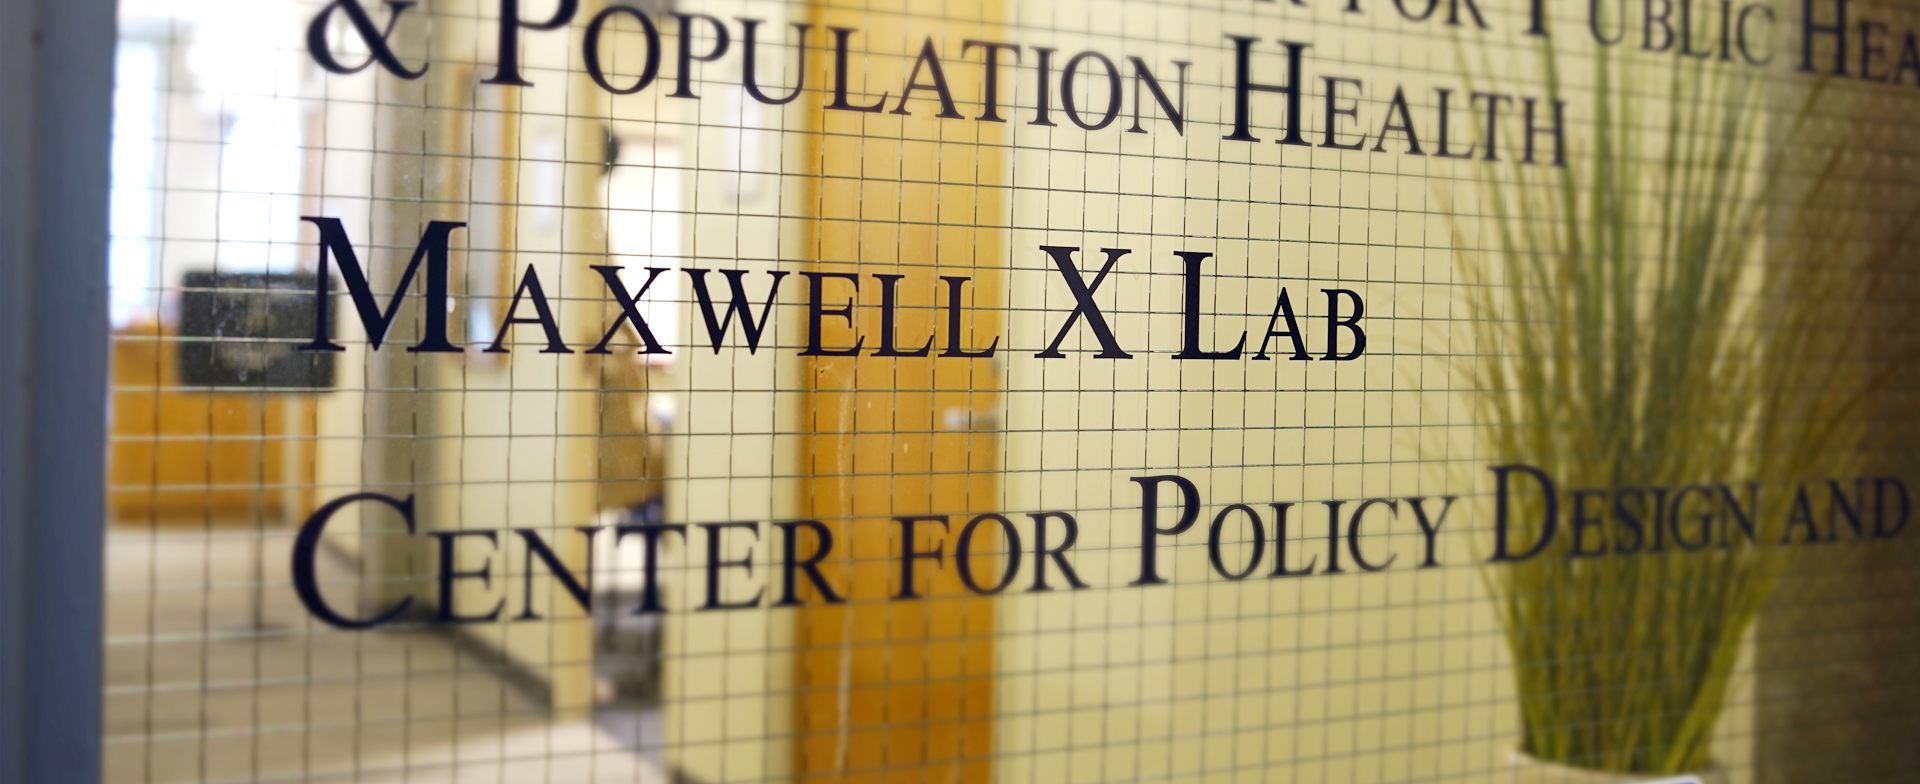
(225, 438)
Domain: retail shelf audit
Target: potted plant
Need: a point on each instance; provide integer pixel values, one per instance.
(1674, 306)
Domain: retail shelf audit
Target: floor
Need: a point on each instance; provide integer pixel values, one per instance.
(204, 684)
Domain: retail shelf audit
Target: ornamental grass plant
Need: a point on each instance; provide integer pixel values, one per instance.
(1680, 304)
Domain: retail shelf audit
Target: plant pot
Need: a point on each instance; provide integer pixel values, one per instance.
(1522, 768)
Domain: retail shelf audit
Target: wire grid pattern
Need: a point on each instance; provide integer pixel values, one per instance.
(216, 673)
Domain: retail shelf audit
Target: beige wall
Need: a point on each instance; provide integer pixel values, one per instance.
(1398, 675)
(734, 448)
(1342, 677)
(492, 444)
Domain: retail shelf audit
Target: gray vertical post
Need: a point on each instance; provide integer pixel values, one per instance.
(56, 84)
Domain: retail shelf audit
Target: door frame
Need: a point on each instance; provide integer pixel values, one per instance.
(56, 91)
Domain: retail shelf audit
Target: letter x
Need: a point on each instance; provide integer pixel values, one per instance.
(629, 311)
(374, 37)
(1083, 296)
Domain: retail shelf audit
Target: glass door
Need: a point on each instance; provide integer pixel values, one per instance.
(762, 391)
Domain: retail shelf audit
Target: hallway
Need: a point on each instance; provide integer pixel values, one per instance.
(194, 693)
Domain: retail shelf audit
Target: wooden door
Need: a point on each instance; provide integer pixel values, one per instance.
(893, 690)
